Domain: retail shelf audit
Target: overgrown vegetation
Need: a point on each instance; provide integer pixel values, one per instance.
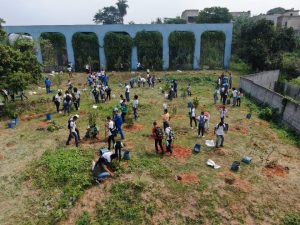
(63, 170)
(181, 50)
(150, 47)
(86, 51)
(117, 48)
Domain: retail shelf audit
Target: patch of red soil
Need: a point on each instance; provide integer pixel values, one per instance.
(275, 170)
(44, 124)
(179, 117)
(1, 157)
(82, 113)
(188, 178)
(11, 144)
(26, 118)
(181, 152)
(133, 127)
(242, 130)
(221, 151)
(232, 179)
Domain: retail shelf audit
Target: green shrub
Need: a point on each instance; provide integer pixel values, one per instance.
(85, 219)
(269, 114)
(291, 219)
(150, 48)
(117, 47)
(181, 52)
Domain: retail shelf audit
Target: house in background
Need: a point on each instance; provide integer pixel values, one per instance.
(240, 14)
(190, 15)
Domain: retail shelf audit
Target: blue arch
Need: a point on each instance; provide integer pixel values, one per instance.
(101, 30)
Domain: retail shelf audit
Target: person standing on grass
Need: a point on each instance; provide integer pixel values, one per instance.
(169, 139)
(219, 132)
(223, 113)
(207, 120)
(240, 95)
(175, 88)
(189, 90)
(73, 131)
(235, 96)
(96, 93)
(69, 68)
(153, 80)
(166, 119)
(230, 80)
(124, 110)
(118, 122)
(111, 133)
(118, 149)
(67, 102)
(135, 107)
(192, 116)
(108, 93)
(216, 93)
(48, 84)
(201, 126)
(76, 98)
(158, 135)
(57, 100)
(127, 92)
(225, 95)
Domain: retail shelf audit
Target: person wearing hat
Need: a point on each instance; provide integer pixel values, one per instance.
(74, 132)
(118, 122)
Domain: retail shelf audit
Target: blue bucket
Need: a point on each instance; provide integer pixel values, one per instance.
(12, 124)
(16, 120)
(49, 116)
(197, 148)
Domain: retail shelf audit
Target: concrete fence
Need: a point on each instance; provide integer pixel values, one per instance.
(289, 110)
(288, 89)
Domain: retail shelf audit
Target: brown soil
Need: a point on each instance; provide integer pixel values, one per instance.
(232, 179)
(181, 130)
(181, 152)
(179, 117)
(221, 151)
(275, 170)
(11, 144)
(44, 124)
(241, 129)
(129, 145)
(133, 127)
(189, 178)
(26, 118)
(1, 157)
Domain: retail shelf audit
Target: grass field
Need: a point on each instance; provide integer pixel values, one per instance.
(44, 182)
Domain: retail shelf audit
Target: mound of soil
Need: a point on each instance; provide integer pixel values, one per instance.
(11, 144)
(44, 124)
(181, 130)
(133, 127)
(129, 145)
(181, 152)
(1, 157)
(232, 179)
(189, 178)
(275, 170)
(26, 118)
(221, 151)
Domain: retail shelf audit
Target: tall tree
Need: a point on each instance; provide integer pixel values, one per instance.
(214, 15)
(122, 6)
(176, 20)
(2, 32)
(277, 10)
(108, 15)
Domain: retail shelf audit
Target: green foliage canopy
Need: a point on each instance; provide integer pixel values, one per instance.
(214, 15)
(150, 47)
(277, 10)
(176, 20)
(108, 15)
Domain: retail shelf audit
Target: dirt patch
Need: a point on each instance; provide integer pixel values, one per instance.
(179, 117)
(181, 152)
(275, 170)
(236, 181)
(181, 130)
(188, 178)
(129, 145)
(221, 151)
(44, 124)
(1, 157)
(11, 144)
(26, 118)
(133, 127)
(241, 129)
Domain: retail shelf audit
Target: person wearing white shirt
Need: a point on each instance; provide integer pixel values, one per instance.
(110, 128)
(135, 107)
(57, 100)
(169, 139)
(73, 131)
(235, 96)
(77, 98)
(127, 92)
(193, 116)
(219, 131)
(223, 113)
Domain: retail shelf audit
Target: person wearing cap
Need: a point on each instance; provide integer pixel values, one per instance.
(118, 122)
(74, 132)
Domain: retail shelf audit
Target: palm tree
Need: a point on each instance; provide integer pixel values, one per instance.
(122, 6)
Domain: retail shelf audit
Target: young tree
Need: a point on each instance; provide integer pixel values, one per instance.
(122, 6)
(176, 20)
(108, 15)
(214, 15)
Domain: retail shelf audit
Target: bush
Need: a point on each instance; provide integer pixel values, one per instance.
(150, 48)
(269, 114)
(291, 219)
(86, 45)
(85, 219)
(117, 48)
(181, 50)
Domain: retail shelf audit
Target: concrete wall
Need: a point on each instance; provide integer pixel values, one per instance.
(288, 89)
(290, 113)
(266, 79)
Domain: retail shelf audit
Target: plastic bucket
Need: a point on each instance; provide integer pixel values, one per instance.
(12, 124)
(49, 116)
(16, 120)
(127, 155)
(197, 148)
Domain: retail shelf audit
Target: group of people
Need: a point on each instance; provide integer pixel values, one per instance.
(69, 98)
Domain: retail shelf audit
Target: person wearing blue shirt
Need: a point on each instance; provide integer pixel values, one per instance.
(48, 84)
(118, 122)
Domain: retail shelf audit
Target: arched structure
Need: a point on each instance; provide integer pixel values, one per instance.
(101, 30)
